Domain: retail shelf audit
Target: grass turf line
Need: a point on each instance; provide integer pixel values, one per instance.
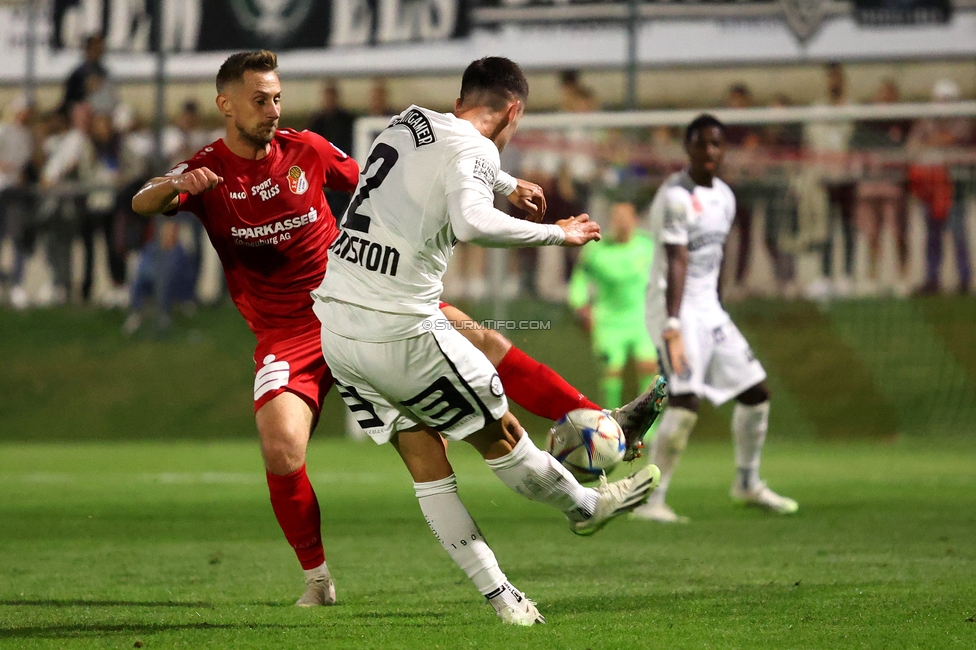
(174, 544)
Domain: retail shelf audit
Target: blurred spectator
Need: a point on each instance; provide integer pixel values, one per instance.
(740, 135)
(828, 144)
(332, 121)
(881, 195)
(745, 177)
(16, 197)
(165, 274)
(70, 166)
(99, 214)
(335, 124)
(90, 77)
(575, 97)
(187, 135)
(785, 138)
(377, 103)
(942, 187)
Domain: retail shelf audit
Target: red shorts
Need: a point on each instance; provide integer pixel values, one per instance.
(291, 360)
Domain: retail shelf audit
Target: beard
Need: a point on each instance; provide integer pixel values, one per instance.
(259, 136)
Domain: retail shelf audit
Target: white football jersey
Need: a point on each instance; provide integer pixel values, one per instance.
(396, 237)
(687, 214)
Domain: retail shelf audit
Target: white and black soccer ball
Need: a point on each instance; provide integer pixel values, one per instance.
(588, 443)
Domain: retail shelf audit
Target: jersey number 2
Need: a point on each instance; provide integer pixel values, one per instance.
(388, 157)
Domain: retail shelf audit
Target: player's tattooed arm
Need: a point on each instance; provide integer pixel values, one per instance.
(161, 194)
(677, 272)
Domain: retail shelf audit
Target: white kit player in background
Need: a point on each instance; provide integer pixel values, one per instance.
(406, 374)
(705, 355)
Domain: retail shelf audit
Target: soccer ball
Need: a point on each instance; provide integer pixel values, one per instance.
(587, 442)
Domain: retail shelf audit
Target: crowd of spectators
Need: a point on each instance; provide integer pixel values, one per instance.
(832, 196)
(804, 191)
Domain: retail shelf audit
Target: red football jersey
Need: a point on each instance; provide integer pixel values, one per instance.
(271, 224)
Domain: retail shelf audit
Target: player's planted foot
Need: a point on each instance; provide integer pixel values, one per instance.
(760, 495)
(514, 607)
(637, 417)
(619, 497)
(319, 589)
(660, 512)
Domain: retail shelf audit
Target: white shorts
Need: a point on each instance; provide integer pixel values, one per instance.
(722, 363)
(437, 378)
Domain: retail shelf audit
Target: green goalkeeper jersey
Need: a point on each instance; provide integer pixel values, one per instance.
(619, 274)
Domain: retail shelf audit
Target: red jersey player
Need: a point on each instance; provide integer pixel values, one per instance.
(258, 193)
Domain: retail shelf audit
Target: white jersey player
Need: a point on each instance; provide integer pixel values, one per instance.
(705, 355)
(405, 373)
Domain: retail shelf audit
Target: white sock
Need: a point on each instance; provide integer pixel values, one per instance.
(505, 596)
(670, 441)
(458, 534)
(321, 572)
(749, 426)
(538, 476)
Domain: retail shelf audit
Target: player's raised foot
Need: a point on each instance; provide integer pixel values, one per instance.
(319, 590)
(619, 497)
(514, 607)
(659, 512)
(637, 417)
(761, 496)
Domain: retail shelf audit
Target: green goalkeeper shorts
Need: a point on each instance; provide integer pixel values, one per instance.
(613, 344)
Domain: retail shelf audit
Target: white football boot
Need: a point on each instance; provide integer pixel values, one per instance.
(660, 512)
(760, 495)
(619, 497)
(514, 607)
(319, 590)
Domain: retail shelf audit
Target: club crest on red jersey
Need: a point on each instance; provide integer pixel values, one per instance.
(296, 180)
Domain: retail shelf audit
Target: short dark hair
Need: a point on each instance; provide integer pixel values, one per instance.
(498, 80)
(703, 121)
(233, 69)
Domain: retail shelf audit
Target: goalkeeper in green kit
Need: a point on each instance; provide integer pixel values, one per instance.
(617, 270)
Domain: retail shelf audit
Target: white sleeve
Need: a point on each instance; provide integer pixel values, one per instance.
(674, 230)
(505, 183)
(475, 219)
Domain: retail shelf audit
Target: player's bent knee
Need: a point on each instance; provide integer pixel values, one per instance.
(491, 344)
(755, 395)
(282, 456)
(498, 438)
(687, 401)
(284, 425)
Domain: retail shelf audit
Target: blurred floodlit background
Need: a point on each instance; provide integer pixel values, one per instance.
(852, 132)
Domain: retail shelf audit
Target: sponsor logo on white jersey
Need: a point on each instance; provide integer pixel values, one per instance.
(484, 172)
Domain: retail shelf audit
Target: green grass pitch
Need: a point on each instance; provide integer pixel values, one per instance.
(133, 509)
(175, 545)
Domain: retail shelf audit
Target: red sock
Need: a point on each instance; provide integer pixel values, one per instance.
(537, 388)
(297, 511)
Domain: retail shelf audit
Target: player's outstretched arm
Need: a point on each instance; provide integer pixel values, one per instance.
(161, 194)
(475, 220)
(579, 230)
